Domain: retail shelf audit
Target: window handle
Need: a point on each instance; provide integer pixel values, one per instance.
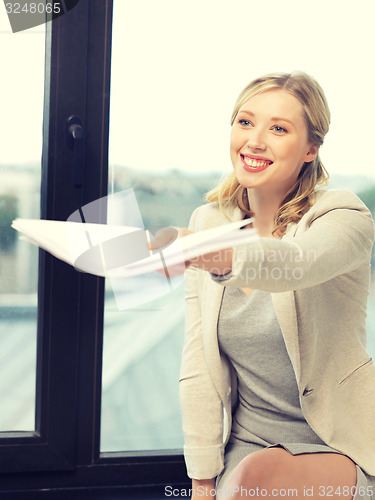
(75, 137)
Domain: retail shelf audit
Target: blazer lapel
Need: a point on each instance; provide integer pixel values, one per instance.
(285, 308)
(212, 298)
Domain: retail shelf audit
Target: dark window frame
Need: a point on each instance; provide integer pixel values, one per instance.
(64, 451)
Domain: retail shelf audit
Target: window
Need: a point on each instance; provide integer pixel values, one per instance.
(20, 171)
(61, 445)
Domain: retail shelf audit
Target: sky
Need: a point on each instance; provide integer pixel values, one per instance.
(178, 67)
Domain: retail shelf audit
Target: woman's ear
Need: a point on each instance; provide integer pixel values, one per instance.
(311, 154)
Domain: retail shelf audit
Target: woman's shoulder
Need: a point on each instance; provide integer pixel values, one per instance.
(325, 200)
(350, 210)
(340, 198)
(348, 207)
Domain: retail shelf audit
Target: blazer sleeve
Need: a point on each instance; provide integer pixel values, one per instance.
(201, 406)
(333, 239)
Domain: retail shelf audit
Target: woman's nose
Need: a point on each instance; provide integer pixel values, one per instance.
(256, 140)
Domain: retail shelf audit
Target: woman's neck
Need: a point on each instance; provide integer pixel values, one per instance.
(264, 205)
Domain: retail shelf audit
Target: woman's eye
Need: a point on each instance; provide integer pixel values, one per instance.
(243, 122)
(277, 128)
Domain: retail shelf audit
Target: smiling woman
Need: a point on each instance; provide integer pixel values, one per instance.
(279, 345)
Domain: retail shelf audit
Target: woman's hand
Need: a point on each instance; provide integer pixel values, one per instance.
(167, 235)
(163, 238)
(203, 489)
(219, 262)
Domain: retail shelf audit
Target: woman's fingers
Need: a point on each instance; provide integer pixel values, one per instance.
(182, 231)
(173, 271)
(165, 236)
(162, 238)
(219, 262)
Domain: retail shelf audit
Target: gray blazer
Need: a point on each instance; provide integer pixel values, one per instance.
(319, 276)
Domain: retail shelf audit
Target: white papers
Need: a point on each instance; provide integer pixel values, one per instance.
(122, 251)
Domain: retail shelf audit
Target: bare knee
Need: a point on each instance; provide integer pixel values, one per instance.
(255, 472)
(274, 470)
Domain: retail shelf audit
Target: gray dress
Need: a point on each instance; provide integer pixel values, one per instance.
(269, 411)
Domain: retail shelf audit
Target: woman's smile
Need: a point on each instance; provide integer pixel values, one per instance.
(269, 141)
(255, 164)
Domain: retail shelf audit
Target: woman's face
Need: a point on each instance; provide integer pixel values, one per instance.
(269, 141)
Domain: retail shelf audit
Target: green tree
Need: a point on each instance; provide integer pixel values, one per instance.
(8, 212)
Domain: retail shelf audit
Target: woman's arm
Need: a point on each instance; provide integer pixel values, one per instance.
(335, 237)
(337, 242)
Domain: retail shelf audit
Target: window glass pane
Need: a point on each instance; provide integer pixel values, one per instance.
(177, 69)
(22, 89)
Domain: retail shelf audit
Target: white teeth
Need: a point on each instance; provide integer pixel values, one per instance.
(255, 163)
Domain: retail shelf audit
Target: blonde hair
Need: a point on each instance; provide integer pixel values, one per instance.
(317, 118)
